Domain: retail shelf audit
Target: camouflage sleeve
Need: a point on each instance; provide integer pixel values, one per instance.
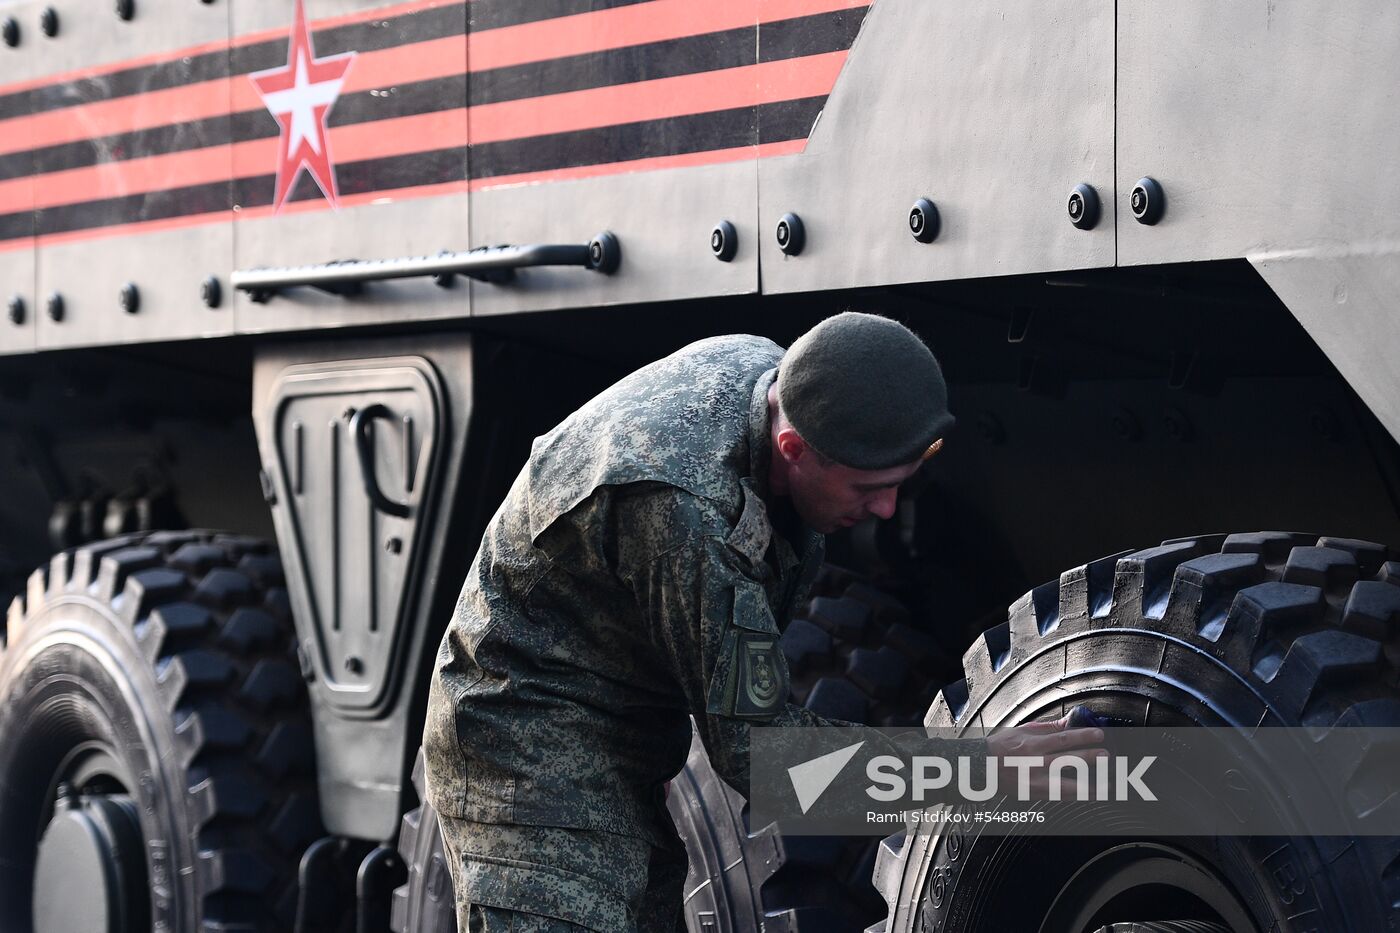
(709, 618)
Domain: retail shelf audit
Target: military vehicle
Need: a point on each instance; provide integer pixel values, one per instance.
(312, 273)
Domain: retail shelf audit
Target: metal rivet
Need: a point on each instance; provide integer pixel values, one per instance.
(126, 9)
(1083, 207)
(130, 298)
(923, 221)
(724, 241)
(10, 31)
(393, 545)
(16, 310)
(1124, 425)
(354, 665)
(48, 22)
(211, 292)
(989, 428)
(604, 253)
(54, 306)
(791, 235)
(1148, 201)
(1178, 425)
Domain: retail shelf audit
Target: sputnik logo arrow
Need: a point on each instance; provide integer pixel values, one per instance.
(300, 95)
(811, 778)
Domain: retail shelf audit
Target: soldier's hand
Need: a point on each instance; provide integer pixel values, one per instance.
(1047, 740)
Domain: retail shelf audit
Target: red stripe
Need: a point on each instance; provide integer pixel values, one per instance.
(811, 76)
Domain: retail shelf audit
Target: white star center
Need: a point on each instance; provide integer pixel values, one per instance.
(301, 101)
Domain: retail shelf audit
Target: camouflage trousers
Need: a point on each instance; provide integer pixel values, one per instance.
(543, 879)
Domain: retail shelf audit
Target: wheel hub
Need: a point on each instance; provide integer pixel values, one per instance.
(90, 873)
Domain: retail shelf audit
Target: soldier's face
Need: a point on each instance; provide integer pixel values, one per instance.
(829, 496)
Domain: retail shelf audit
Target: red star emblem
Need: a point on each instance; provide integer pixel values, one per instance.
(300, 95)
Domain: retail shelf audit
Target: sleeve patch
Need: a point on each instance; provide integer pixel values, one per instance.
(751, 677)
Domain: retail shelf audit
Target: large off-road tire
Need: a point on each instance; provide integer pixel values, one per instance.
(854, 654)
(156, 754)
(1251, 630)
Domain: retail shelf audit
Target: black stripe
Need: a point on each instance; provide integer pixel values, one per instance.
(497, 14)
(154, 205)
(808, 35)
(788, 119)
(672, 136)
(15, 226)
(721, 129)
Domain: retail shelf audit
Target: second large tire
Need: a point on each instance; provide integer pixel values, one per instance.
(1246, 631)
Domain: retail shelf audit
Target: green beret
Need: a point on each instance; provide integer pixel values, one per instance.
(864, 391)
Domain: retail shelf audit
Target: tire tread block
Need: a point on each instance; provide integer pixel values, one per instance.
(836, 698)
(843, 618)
(1319, 660)
(880, 673)
(1324, 567)
(805, 645)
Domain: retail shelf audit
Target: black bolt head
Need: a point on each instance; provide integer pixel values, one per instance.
(724, 241)
(130, 298)
(604, 253)
(923, 221)
(15, 307)
(126, 9)
(48, 22)
(354, 665)
(54, 307)
(1083, 207)
(1148, 201)
(211, 292)
(393, 545)
(9, 30)
(790, 234)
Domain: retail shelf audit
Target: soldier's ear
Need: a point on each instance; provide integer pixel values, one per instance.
(791, 446)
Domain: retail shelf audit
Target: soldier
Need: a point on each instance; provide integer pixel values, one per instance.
(639, 572)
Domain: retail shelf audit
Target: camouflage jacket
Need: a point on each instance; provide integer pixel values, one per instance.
(632, 577)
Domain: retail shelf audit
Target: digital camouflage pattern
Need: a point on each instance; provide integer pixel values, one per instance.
(593, 881)
(633, 577)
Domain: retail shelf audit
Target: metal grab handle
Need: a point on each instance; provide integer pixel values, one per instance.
(364, 451)
(488, 264)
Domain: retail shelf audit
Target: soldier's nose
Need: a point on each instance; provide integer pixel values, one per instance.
(884, 503)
